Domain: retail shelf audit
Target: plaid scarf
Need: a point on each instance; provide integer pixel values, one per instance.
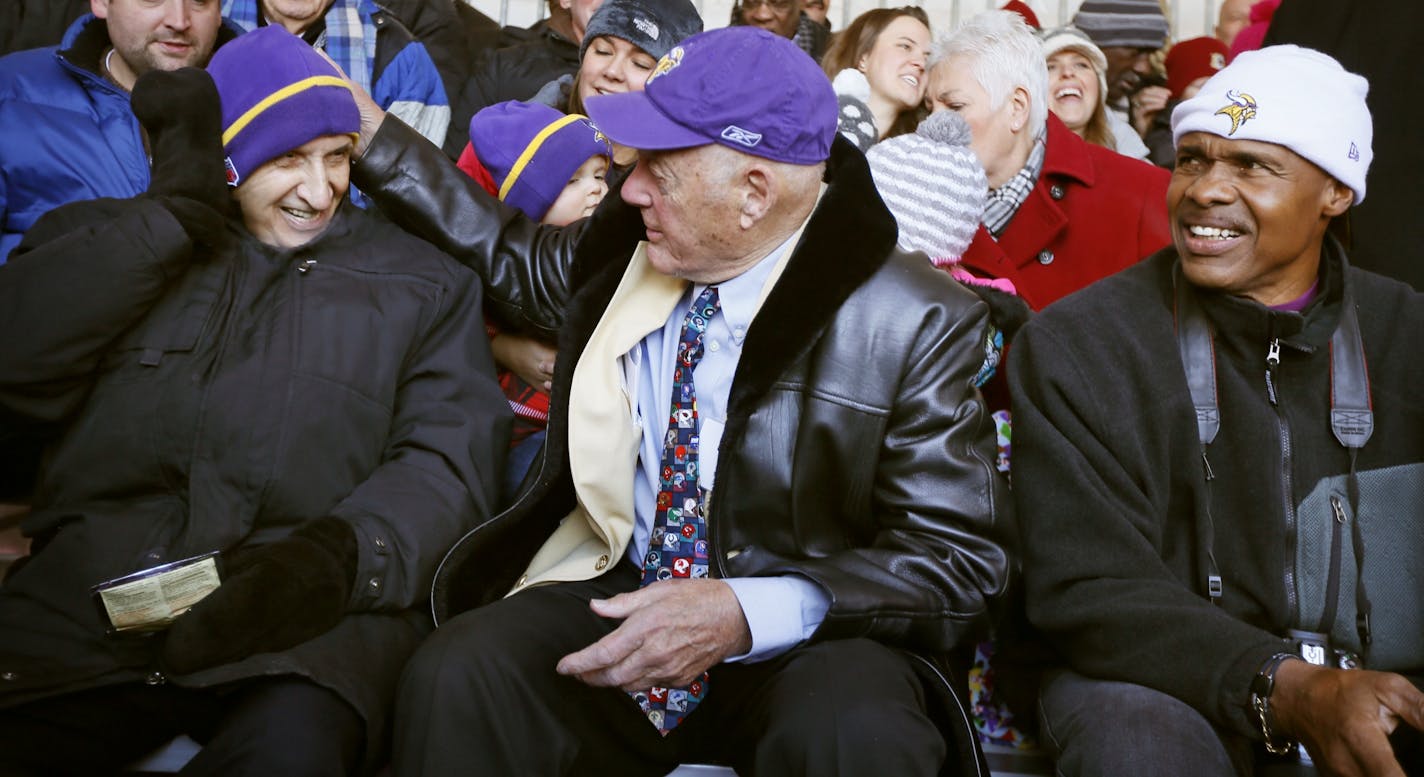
(348, 35)
(805, 37)
(1004, 201)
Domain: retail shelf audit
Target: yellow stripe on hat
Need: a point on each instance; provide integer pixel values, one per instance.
(272, 99)
(532, 149)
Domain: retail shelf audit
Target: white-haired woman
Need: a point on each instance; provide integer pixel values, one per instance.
(1062, 212)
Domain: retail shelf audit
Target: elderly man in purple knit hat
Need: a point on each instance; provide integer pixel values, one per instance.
(265, 424)
(767, 507)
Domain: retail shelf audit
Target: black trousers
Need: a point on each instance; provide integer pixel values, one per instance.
(481, 697)
(264, 728)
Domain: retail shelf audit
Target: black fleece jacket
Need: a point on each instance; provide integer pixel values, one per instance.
(1111, 492)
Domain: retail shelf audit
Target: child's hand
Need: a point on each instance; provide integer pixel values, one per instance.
(530, 359)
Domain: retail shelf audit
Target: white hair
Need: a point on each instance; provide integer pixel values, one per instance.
(1002, 53)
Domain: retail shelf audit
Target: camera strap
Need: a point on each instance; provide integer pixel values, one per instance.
(1351, 420)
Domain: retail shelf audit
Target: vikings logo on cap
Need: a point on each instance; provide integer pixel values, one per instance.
(1241, 109)
(666, 65)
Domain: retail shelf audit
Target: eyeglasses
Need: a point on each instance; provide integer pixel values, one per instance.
(779, 6)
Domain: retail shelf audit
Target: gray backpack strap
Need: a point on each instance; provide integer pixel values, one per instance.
(1194, 342)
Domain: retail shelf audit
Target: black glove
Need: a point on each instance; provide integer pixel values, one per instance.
(182, 114)
(272, 597)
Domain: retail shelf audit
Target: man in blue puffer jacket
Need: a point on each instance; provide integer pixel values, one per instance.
(370, 46)
(66, 129)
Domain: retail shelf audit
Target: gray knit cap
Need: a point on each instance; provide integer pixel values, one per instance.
(933, 184)
(654, 26)
(1136, 24)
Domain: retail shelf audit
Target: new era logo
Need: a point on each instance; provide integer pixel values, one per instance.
(232, 176)
(1354, 153)
(740, 136)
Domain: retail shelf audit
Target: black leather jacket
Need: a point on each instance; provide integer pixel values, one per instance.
(524, 266)
(859, 369)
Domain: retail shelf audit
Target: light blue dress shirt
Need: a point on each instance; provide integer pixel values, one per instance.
(780, 611)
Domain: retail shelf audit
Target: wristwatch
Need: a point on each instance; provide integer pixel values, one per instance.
(1261, 686)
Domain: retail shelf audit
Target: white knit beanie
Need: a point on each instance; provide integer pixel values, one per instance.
(933, 184)
(1294, 97)
(1071, 38)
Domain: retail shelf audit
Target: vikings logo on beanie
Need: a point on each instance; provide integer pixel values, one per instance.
(277, 94)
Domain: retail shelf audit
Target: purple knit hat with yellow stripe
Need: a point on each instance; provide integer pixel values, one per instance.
(531, 150)
(277, 94)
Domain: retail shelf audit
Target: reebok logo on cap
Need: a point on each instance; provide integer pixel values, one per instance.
(744, 137)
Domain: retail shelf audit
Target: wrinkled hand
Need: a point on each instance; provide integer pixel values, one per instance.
(272, 597)
(672, 632)
(1344, 718)
(530, 359)
(1146, 103)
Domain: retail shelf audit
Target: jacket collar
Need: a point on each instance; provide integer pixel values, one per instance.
(849, 236)
(1039, 220)
(1249, 322)
(1067, 155)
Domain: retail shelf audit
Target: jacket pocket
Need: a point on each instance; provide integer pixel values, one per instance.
(172, 326)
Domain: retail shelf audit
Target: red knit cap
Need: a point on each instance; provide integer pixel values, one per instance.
(1021, 8)
(1193, 59)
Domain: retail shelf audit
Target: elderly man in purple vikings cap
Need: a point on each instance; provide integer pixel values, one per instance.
(767, 508)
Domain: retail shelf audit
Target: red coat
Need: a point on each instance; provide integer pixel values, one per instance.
(1092, 213)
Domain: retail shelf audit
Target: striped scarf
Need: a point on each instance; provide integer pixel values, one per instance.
(1004, 201)
(349, 36)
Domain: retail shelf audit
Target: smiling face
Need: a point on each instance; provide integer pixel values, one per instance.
(895, 64)
(1072, 89)
(158, 34)
(295, 15)
(1248, 217)
(289, 201)
(585, 189)
(611, 66)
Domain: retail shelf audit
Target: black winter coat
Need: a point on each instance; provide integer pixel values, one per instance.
(859, 369)
(214, 402)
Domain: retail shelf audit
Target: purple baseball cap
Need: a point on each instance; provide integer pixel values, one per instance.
(742, 87)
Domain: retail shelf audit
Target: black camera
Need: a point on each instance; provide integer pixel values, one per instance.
(1315, 648)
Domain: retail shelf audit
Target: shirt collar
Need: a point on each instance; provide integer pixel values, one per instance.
(739, 295)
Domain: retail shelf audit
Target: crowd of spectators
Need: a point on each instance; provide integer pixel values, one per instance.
(278, 275)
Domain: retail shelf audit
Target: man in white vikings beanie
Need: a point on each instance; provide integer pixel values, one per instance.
(1218, 456)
